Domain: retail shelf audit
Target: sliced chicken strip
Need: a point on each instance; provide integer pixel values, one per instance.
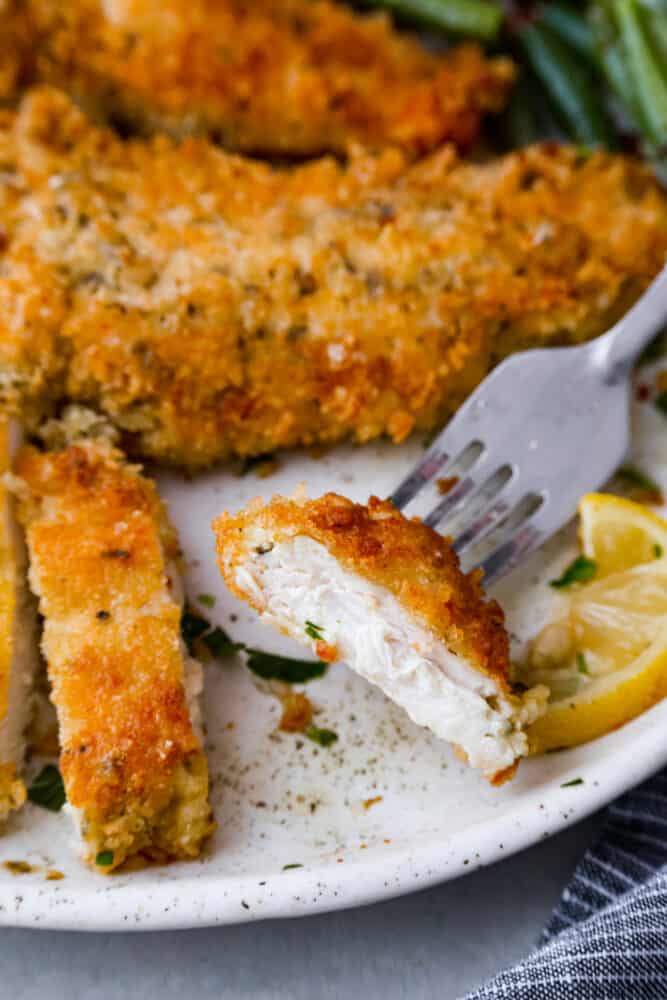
(19, 656)
(102, 561)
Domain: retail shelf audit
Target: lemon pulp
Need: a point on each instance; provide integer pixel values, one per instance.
(607, 660)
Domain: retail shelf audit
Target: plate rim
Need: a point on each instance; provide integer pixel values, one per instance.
(200, 900)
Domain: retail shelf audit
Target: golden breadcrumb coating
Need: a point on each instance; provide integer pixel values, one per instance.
(102, 556)
(412, 561)
(17, 37)
(211, 305)
(19, 659)
(274, 77)
(363, 584)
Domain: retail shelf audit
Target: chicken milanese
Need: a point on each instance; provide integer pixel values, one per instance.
(366, 585)
(103, 564)
(274, 77)
(213, 306)
(19, 661)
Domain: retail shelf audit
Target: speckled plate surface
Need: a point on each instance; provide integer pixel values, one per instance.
(282, 801)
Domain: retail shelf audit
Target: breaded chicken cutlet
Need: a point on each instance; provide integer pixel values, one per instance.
(19, 659)
(211, 306)
(270, 77)
(385, 594)
(102, 563)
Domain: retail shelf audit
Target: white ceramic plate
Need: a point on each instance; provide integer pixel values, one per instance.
(280, 800)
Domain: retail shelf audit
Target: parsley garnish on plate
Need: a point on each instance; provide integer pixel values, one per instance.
(582, 665)
(271, 667)
(658, 551)
(286, 868)
(571, 784)
(324, 737)
(582, 570)
(220, 645)
(193, 627)
(104, 859)
(661, 402)
(313, 630)
(48, 790)
(208, 600)
(268, 666)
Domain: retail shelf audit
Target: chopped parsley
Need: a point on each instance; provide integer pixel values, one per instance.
(286, 868)
(208, 600)
(104, 859)
(571, 784)
(193, 627)
(661, 402)
(582, 570)
(639, 480)
(220, 645)
(324, 737)
(314, 631)
(283, 668)
(48, 790)
(582, 665)
(268, 666)
(658, 551)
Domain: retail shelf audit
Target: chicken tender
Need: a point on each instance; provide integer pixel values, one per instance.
(102, 562)
(366, 585)
(212, 306)
(19, 658)
(271, 77)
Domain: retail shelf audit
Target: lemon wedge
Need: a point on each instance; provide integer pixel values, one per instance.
(605, 658)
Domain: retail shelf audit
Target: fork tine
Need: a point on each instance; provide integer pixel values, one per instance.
(451, 501)
(507, 510)
(431, 464)
(541, 519)
(510, 552)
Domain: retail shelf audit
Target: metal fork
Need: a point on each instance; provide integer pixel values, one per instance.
(545, 427)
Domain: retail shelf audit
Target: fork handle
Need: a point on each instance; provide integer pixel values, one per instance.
(618, 349)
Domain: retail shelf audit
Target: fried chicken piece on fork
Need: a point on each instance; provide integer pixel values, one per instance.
(363, 584)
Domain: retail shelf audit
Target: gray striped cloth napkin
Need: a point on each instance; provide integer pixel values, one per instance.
(607, 938)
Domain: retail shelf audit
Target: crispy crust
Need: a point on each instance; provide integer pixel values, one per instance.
(7, 579)
(213, 306)
(409, 559)
(277, 77)
(100, 548)
(12, 789)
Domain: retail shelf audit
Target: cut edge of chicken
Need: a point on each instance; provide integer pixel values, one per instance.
(299, 587)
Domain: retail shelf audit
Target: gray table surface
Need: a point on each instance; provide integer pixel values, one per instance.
(439, 943)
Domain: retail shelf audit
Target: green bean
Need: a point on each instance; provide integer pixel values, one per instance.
(529, 116)
(656, 22)
(570, 85)
(570, 26)
(522, 118)
(612, 61)
(478, 18)
(650, 79)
